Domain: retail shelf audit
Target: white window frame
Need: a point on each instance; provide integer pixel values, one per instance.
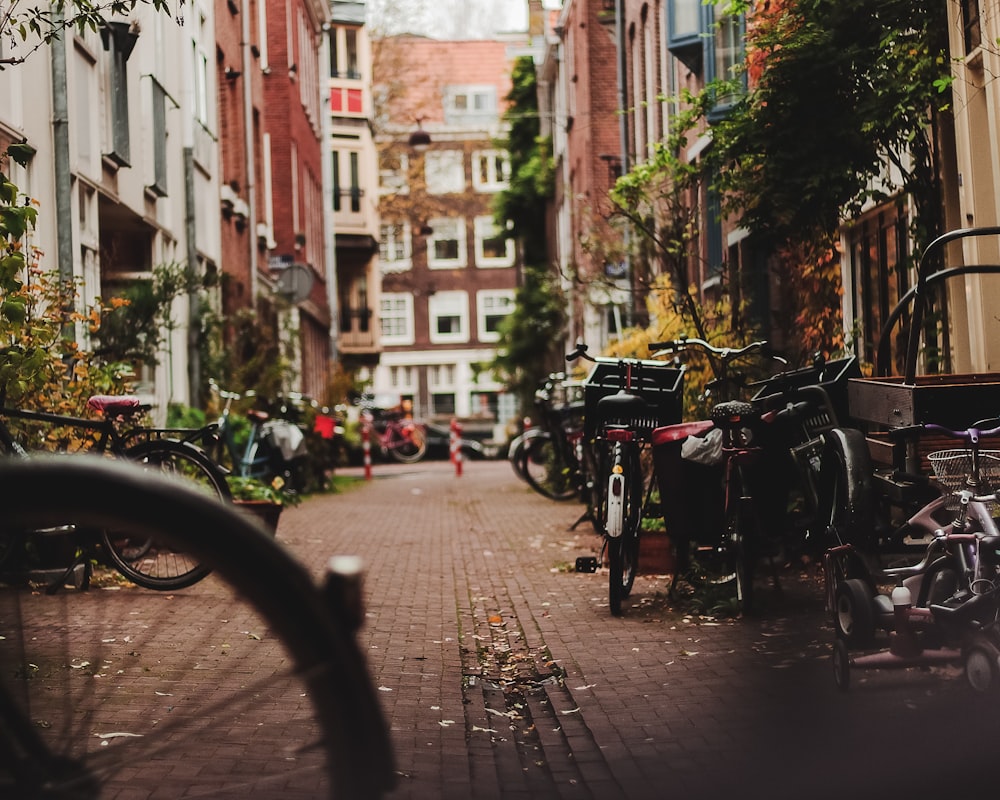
(392, 179)
(466, 103)
(496, 180)
(441, 230)
(403, 310)
(392, 237)
(486, 228)
(448, 304)
(484, 299)
(444, 171)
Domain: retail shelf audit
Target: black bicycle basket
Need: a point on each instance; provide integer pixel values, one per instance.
(660, 385)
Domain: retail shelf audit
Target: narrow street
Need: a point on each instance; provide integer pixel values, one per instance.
(503, 674)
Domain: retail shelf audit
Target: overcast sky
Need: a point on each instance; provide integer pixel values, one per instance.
(451, 19)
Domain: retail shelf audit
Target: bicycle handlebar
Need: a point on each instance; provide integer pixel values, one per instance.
(725, 354)
(580, 351)
(971, 435)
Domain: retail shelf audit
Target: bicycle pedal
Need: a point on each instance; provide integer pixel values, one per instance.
(586, 564)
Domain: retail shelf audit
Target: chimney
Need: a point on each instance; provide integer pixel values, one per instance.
(536, 18)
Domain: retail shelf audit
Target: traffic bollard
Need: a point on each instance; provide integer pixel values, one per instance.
(456, 446)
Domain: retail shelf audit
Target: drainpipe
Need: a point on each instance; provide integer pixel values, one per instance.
(63, 176)
(330, 228)
(623, 133)
(191, 236)
(248, 145)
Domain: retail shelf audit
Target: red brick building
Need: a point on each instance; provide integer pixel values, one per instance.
(448, 273)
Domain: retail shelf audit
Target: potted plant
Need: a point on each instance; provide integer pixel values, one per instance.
(261, 499)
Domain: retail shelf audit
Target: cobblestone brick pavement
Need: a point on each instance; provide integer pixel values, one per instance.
(503, 674)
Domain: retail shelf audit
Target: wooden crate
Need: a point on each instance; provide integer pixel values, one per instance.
(952, 401)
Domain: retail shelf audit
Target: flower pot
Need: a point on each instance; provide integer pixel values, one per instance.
(656, 553)
(263, 510)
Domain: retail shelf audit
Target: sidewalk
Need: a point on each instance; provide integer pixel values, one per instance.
(503, 674)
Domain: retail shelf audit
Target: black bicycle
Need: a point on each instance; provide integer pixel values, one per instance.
(164, 696)
(118, 432)
(626, 399)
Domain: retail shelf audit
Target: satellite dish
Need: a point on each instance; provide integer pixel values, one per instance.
(295, 282)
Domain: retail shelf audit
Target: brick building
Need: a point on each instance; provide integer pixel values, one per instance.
(448, 273)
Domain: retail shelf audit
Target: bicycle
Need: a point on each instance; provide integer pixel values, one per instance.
(119, 433)
(272, 448)
(551, 458)
(396, 434)
(727, 555)
(91, 706)
(625, 399)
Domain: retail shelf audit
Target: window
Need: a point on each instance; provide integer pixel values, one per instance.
(491, 309)
(449, 317)
(727, 56)
(441, 383)
(493, 249)
(446, 244)
(685, 26)
(119, 42)
(396, 318)
(346, 187)
(971, 25)
(444, 171)
(490, 170)
(392, 173)
(159, 184)
(465, 103)
(200, 85)
(394, 247)
(351, 39)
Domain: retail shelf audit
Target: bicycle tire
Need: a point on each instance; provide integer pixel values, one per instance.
(411, 447)
(311, 727)
(545, 468)
(139, 558)
(623, 550)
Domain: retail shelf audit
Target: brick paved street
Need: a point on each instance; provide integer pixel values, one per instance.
(503, 674)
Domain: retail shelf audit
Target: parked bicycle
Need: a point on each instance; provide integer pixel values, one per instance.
(395, 433)
(271, 447)
(625, 399)
(725, 547)
(553, 457)
(118, 432)
(96, 707)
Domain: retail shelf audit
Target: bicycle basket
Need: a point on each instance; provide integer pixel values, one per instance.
(660, 385)
(952, 468)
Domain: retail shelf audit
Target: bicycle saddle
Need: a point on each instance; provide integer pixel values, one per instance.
(732, 413)
(622, 404)
(116, 406)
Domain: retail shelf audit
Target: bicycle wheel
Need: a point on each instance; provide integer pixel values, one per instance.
(114, 693)
(411, 445)
(143, 560)
(845, 506)
(623, 550)
(545, 468)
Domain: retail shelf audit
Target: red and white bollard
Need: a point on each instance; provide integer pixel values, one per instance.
(456, 446)
(366, 442)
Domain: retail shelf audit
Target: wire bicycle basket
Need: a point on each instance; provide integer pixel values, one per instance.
(659, 384)
(953, 467)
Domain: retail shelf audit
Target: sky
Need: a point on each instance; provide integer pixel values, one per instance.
(451, 19)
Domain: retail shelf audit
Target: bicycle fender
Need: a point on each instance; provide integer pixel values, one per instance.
(616, 506)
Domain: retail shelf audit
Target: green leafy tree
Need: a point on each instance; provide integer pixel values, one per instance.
(27, 26)
(839, 89)
(531, 336)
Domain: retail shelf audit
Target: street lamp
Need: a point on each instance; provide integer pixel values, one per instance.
(420, 139)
